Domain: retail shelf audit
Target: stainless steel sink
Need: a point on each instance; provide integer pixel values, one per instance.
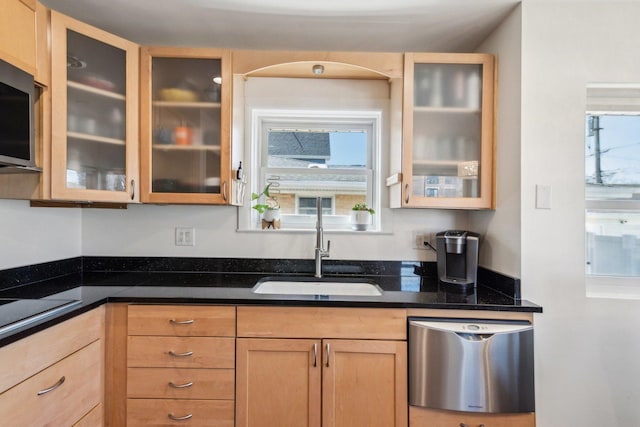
(311, 286)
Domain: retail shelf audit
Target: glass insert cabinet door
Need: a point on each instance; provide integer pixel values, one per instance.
(448, 131)
(184, 120)
(94, 100)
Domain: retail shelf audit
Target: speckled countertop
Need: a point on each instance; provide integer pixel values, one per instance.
(88, 282)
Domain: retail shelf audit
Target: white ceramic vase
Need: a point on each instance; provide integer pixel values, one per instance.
(360, 220)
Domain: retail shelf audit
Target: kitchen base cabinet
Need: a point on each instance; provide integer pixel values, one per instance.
(423, 417)
(331, 379)
(169, 412)
(61, 394)
(278, 380)
(180, 365)
(58, 386)
(364, 383)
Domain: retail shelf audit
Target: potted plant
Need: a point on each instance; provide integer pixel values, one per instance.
(361, 216)
(269, 208)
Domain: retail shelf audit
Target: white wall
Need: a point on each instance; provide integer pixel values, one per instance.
(36, 235)
(149, 230)
(500, 228)
(587, 350)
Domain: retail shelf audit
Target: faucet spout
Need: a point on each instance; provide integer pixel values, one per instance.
(320, 251)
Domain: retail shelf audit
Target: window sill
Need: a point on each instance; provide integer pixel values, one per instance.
(613, 287)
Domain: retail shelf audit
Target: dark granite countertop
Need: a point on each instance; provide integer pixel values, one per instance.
(90, 282)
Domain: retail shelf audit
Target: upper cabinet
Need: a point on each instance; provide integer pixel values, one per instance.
(447, 148)
(94, 88)
(185, 125)
(18, 33)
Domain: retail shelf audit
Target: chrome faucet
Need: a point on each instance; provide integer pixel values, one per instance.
(320, 251)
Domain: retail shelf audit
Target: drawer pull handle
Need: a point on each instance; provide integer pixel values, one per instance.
(53, 387)
(181, 322)
(328, 353)
(186, 354)
(186, 417)
(315, 355)
(185, 385)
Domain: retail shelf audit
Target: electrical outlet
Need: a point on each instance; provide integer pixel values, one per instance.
(185, 236)
(421, 240)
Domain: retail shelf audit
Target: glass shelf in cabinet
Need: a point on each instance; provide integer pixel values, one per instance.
(95, 91)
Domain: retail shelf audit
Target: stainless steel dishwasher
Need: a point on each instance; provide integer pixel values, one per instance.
(471, 365)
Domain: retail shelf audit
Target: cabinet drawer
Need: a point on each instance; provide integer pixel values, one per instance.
(62, 405)
(157, 412)
(325, 322)
(94, 418)
(187, 383)
(26, 357)
(180, 352)
(438, 418)
(182, 320)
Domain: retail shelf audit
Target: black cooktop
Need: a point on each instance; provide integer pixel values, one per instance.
(15, 313)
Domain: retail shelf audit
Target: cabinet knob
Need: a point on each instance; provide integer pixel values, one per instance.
(224, 191)
(133, 189)
(328, 353)
(406, 193)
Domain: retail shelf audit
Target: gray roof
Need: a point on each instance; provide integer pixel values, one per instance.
(300, 145)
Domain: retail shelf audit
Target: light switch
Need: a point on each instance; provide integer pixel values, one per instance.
(543, 196)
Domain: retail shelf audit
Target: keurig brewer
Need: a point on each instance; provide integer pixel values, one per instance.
(457, 255)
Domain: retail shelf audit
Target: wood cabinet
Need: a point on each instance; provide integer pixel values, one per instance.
(18, 34)
(422, 417)
(180, 365)
(94, 89)
(60, 386)
(447, 146)
(185, 125)
(331, 377)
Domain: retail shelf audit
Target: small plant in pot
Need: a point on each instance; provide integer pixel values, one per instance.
(361, 216)
(269, 208)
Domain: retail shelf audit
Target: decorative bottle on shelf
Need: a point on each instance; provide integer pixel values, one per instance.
(436, 91)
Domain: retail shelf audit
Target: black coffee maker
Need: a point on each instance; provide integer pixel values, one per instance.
(457, 255)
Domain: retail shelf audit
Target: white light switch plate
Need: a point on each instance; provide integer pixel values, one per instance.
(543, 196)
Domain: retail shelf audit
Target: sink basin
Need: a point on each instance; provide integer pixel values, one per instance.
(310, 286)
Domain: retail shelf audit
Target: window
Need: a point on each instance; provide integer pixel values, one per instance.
(309, 155)
(612, 190)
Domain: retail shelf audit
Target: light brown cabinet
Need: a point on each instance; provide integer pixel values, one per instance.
(419, 417)
(180, 365)
(94, 91)
(60, 386)
(185, 125)
(330, 378)
(447, 146)
(18, 34)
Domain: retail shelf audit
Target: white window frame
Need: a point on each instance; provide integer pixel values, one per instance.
(262, 120)
(611, 99)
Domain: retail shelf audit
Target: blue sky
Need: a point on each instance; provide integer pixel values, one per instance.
(348, 148)
(620, 150)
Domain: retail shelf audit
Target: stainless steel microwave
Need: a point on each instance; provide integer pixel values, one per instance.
(17, 145)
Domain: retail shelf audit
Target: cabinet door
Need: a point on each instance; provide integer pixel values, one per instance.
(278, 382)
(18, 33)
(364, 383)
(94, 87)
(185, 100)
(448, 131)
